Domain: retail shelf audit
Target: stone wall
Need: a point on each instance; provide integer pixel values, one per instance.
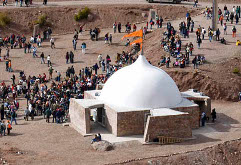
(111, 120)
(130, 123)
(194, 115)
(79, 117)
(177, 126)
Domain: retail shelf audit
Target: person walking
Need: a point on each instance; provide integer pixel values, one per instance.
(52, 45)
(195, 3)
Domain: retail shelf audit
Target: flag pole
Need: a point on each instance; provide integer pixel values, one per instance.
(142, 52)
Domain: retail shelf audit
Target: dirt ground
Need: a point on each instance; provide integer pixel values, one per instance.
(62, 21)
(36, 142)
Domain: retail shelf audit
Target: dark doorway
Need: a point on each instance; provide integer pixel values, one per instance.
(101, 116)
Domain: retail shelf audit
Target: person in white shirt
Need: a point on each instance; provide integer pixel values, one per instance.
(99, 58)
(48, 60)
(52, 43)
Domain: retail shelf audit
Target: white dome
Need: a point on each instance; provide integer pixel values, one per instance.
(141, 85)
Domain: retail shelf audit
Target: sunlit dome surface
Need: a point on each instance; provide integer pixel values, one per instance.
(141, 85)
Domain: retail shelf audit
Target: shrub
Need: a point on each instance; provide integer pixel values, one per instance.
(236, 71)
(82, 14)
(42, 21)
(4, 19)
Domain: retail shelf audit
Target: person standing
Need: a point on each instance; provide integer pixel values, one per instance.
(34, 51)
(194, 61)
(9, 127)
(203, 33)
(195, 3)
(13, 79)
(99, 58)
(48, 114)
(13, 117)
(103, 65)
(119, 27)
(74, 43)
(203, 119)
(67, 57)
(3, 128)
(168, 60)
(199, 41)
(237, 18)
(231, 17)
(45, 2)
(217, 34)
(48, 60)
(234, 30)
(96, 67)
(114, 27)
(42, 58)
(50, 72)
(160, 21)
(2, 111)
(214, 116)
(225, 29)
(210, 35)
(83, 46)
(110, 39)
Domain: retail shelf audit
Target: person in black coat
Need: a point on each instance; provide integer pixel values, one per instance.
(2, 112)
(213, 114)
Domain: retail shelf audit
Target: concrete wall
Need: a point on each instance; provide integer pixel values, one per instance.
(88, 95)
(79, 117)
(205, 106)
(130, 123)
(194, 115)
(169, 126)
(111, 120)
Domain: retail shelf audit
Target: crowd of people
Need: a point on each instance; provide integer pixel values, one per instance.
(50, 97)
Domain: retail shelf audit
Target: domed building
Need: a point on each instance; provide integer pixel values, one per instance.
(140, 99)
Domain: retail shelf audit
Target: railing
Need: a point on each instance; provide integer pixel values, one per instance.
(168, 140)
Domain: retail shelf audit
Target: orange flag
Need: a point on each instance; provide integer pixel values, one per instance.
(138, 33)
(140, 41)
